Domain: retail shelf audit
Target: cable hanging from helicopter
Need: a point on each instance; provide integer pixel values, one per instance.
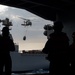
(26, 23)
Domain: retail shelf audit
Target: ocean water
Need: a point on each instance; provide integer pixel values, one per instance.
(34, 72)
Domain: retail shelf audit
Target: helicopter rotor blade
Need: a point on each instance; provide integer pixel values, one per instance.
(22, 18)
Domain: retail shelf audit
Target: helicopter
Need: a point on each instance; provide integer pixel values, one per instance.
(26, 23)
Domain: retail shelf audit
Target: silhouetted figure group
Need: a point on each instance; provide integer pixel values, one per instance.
(60, 54)
(6, 45)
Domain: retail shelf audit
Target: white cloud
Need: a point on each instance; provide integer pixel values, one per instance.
(20, 17)
(14, 17)
(3, 9)
(33, 18)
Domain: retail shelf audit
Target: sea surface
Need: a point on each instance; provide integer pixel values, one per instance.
(34, 72)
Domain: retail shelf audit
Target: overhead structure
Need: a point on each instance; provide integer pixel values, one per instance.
(47, 9)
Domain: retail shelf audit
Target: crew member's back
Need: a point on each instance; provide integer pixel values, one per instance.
(7, 45)
(57, 49)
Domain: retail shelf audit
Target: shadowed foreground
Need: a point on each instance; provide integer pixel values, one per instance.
(30, 74)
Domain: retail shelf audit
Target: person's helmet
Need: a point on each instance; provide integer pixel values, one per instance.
(5, 29)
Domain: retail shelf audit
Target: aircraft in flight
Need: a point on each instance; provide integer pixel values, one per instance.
(27, 22)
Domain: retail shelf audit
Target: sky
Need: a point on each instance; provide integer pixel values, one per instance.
(35, 39)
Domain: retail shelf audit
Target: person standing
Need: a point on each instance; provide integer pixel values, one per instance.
(7, 45)
(72, 54)
(57, 49)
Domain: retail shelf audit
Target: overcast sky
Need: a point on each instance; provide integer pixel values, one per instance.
(34, 34)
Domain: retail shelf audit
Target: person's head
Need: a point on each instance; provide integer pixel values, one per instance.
(58, 26)
(73, 36)
(5, 31)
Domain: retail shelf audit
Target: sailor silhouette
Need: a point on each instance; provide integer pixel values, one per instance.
(56, 48)
(72, 54)
(7, 45)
